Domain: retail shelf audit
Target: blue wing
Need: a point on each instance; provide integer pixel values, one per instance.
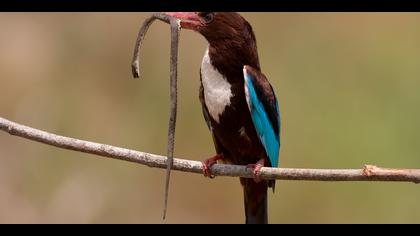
(262, 103)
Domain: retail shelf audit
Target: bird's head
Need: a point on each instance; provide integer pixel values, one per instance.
(216, 26)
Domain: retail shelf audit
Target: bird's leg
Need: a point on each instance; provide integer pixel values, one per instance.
(208, 163)
(256, 169)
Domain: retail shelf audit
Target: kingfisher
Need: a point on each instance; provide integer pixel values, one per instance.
(238, 103)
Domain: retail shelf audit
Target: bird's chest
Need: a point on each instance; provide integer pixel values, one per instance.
(217, 90)
(231, 122)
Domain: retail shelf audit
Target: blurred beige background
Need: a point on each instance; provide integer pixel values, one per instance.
(347, 84)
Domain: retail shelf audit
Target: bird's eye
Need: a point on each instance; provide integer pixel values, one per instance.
(207, 16)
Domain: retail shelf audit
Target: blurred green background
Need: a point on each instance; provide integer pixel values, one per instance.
(347, 84)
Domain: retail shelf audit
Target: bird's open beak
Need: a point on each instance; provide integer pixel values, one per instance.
(188, 20)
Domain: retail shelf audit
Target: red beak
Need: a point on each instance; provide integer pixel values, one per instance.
(188, 20)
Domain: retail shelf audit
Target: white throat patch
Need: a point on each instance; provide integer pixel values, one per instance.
(217, 90)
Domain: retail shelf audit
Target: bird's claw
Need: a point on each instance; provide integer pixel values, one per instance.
(256, 169)
(206, 169)
(208, 163)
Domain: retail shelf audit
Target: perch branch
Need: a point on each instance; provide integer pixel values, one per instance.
(368, 173)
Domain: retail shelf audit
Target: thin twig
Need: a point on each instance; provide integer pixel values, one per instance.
(368, 173)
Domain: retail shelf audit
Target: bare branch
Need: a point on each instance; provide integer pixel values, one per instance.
(368, 173)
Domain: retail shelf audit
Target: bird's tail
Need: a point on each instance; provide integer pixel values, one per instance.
(255, 201)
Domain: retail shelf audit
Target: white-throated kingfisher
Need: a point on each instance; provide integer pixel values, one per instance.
(238, 102)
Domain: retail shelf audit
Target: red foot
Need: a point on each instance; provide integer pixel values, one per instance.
(208, 163)
(256, 169)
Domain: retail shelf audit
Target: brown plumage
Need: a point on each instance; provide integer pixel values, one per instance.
(232, 45)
